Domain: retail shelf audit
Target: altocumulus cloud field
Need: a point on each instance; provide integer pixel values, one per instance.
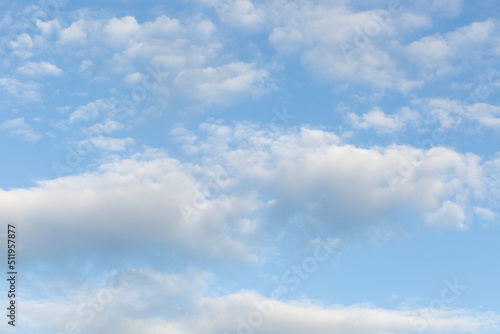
(240, 167)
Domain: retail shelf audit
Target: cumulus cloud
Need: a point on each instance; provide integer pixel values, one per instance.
(367, 45)
(223, 85)
(355, 49)
(439, 54)
(250, 181)
(22, 46)
(240, 13)
(184, 303)
(185, 51)
(119, 198)
(48, 28)
(92, 110)
(381, 122)
(453, 113)
(74, 34)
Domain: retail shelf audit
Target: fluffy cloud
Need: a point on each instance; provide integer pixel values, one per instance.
(439, 54)
(453, 113)
(186, 53)
(223, 85)
(48, 28)
(250, 181)
(92, 110)
(381, 122)
(121, 197)
(351, 50)
(75, 33)
(240, 13)
(311, 172)
(181, 303)
(42, 68)
(22, 46)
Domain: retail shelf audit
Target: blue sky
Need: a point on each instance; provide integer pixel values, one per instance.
(242, 166)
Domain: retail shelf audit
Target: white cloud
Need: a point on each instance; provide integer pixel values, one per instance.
(247, 176)
(19, 128)
(186, 138)
(40, 69)
(92, 110)
(381, 122)
(120, 31)
(295, 317)
(356, 47)
(240, 13)
(153, 302)
(223, 85)
(111, 302)
(133, 78)
(112, 144)
(437, 54)
(48, 28)
(448, 215)
(75, 33)
(20, 90)
(186, 52)
(85, 65)
(452, 113)
(107, 126)
(148, 191)
(484, 213)
(22, 46)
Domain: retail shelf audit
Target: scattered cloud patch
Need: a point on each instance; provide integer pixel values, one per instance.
(40, 69)
(19, 128)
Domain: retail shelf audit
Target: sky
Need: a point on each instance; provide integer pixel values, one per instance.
(246, 166)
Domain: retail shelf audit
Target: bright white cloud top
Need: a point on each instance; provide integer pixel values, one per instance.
(237, 166)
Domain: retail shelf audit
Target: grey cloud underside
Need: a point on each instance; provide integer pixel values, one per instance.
(250, 185)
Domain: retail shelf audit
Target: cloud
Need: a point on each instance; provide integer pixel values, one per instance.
(75, 34)
(107, 126)
(19, 128)
(120, 295)
(448, 215)
(40, 69)
(111, 144)
(120, 31)
(223, 85)
(381, 122)
(240, 13)
(356, 47)
(484, 213)
(250, 181)
(184, 302)
(133, 78)
(186, 52)
(312, 173)
(92, 110)
(85, 65)
(440, 54)
(20, 90)
(119, 197)
(22, 46)
(48, 28)
(453, 113)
